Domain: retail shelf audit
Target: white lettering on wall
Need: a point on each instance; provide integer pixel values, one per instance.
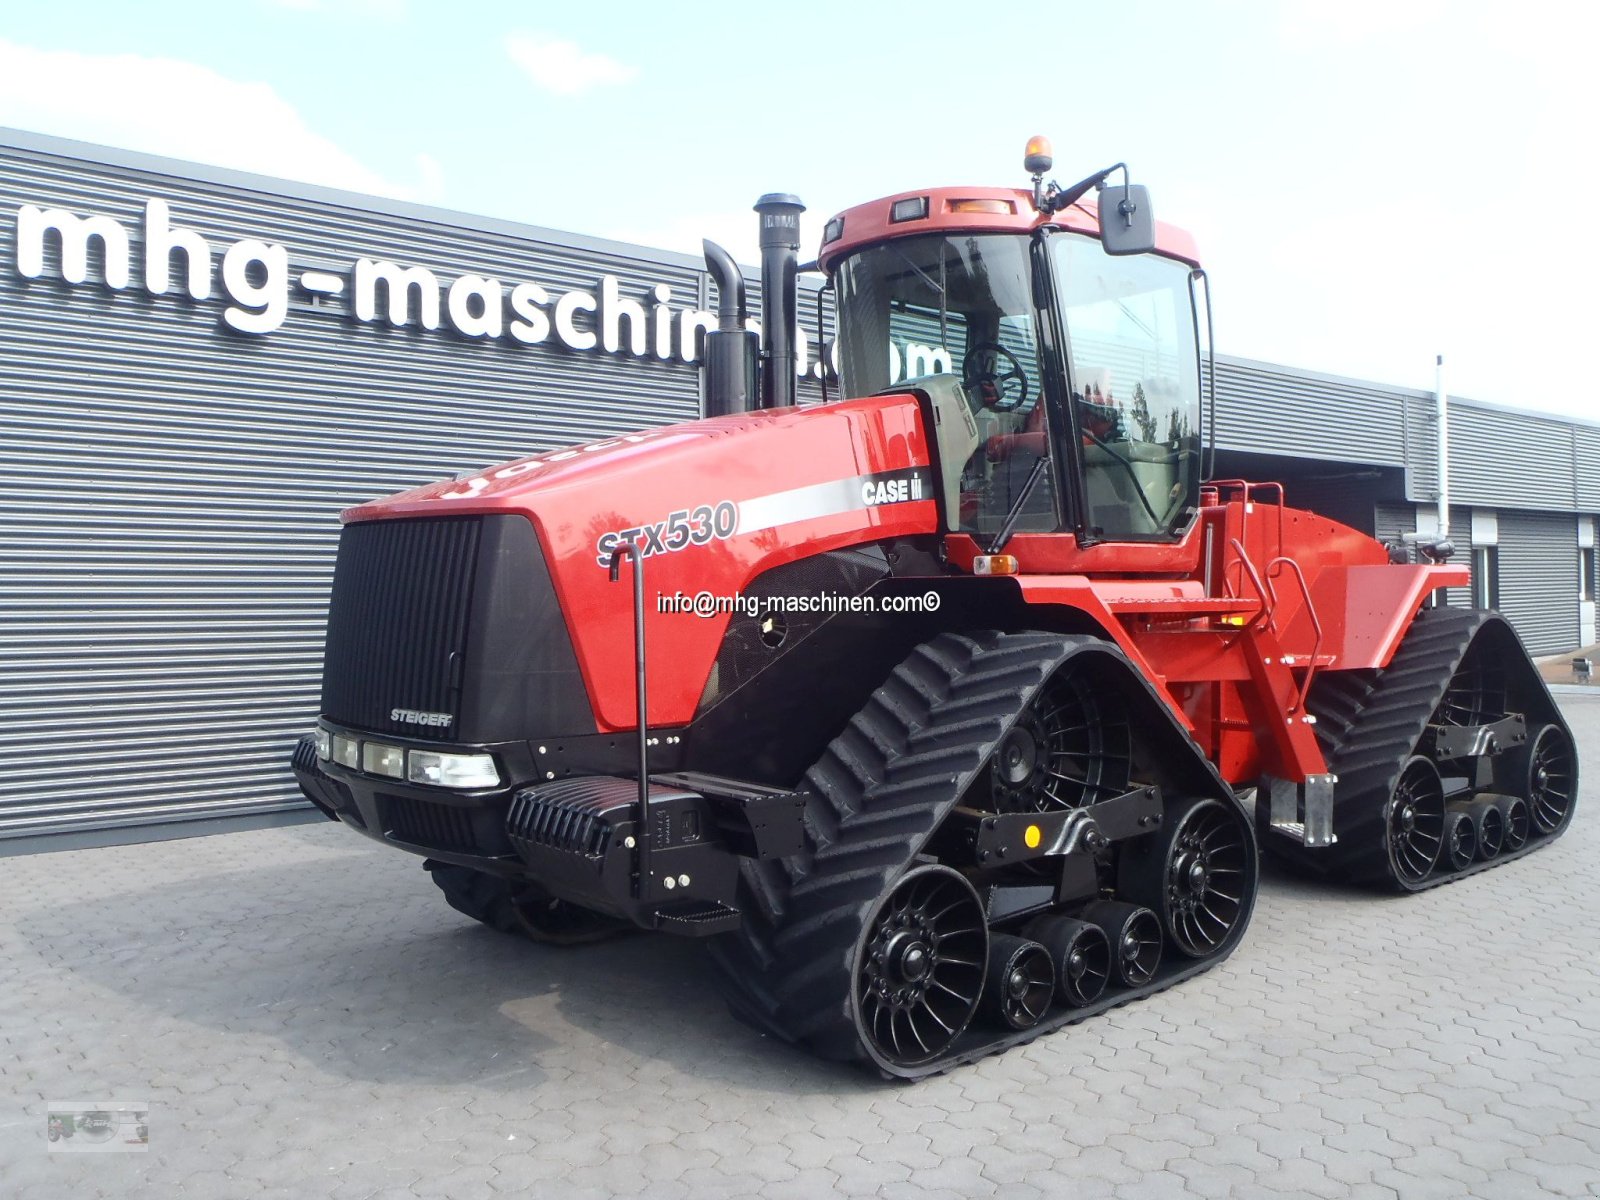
(567, 331)
(73, 233)
(532, 325)
(614, 309)
(256, 281)
(161, 241)
(475, 306)
(400, 285)
(256, 277)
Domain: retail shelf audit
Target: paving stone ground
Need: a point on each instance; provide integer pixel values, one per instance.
(306, 1017)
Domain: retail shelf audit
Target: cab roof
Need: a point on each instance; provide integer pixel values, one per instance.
(1002, 210)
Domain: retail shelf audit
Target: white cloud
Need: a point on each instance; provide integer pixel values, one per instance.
(181, 109)
(563, 67)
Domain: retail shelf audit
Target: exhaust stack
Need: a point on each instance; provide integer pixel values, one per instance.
(731, 351)
(780, 310)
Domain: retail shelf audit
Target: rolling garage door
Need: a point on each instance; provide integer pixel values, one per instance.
(169, 490)
(1539, 578)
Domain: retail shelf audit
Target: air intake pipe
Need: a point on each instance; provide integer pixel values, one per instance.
(780, 309)
(731, 351)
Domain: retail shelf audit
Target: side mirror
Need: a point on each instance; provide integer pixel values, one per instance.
(1127, 222)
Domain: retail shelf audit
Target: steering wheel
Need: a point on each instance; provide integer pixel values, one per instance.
(991, 380)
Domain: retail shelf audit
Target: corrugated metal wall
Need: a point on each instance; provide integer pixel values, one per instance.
(169, 491)
(1539, 578)
(1277, 410)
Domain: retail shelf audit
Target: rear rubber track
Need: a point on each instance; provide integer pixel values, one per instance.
(1370, 723)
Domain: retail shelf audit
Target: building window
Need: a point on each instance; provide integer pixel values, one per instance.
(1586, 573)
(1486, 577)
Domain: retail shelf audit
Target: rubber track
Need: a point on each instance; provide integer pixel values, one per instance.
(1370, 724)
(879, 792)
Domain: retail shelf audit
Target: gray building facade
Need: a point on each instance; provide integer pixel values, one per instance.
(199, 369)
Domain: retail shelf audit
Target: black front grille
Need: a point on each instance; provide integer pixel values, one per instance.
(397, 622)
(561, 821)
(433, 826)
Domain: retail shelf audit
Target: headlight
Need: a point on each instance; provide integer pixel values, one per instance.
(347, 751)
(452, 770)
(324, 743)
(378, 759)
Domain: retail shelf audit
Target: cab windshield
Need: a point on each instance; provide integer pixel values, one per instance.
(961, 307)
(1135, 386)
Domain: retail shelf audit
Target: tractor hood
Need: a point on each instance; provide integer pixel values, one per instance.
(711, 504)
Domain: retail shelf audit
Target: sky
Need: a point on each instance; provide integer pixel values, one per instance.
(1371, 182)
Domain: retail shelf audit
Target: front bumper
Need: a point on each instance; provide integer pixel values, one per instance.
(579, 837)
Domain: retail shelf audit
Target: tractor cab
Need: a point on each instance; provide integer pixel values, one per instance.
(1059, 351)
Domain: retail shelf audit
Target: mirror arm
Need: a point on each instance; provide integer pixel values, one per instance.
(1055, 197)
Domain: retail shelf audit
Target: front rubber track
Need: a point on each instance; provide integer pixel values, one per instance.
(876, 795)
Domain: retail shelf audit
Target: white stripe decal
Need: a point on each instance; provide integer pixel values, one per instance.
(799, 504)
(833, 497)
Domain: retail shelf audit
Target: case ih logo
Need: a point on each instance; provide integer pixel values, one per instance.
(257, 282)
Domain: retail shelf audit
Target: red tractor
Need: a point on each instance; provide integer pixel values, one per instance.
(937, 709)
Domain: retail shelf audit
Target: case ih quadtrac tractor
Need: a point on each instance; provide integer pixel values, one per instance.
(970, 757)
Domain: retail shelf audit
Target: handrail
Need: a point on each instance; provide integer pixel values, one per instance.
(1283, 560)
(642, 837)
(1248, 488)
(1255, 578)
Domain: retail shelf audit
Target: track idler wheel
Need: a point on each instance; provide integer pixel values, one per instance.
(1414, 821)
(1135, 937)
(920, 966)
(1018, 983)
(1460, 839)
(1490, 823)
(1547, 774)
(1198, 872)
(1081, 954)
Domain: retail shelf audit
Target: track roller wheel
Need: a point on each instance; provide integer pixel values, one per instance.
(1415, 821)
(920, 966)
(1547, 774)
(1490, 823)
(1460, 839)
(1135, 936)
(1198, 873)
(1515, 811)
(1018, 983)
(1081, 954)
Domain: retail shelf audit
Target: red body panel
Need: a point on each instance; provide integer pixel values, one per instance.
(868, 224)
(1230, 623)
(794, 478)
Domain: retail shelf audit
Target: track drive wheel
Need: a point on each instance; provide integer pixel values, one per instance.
(920, 966)
(521, 908)
(1198, 874)
(1414, 821)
